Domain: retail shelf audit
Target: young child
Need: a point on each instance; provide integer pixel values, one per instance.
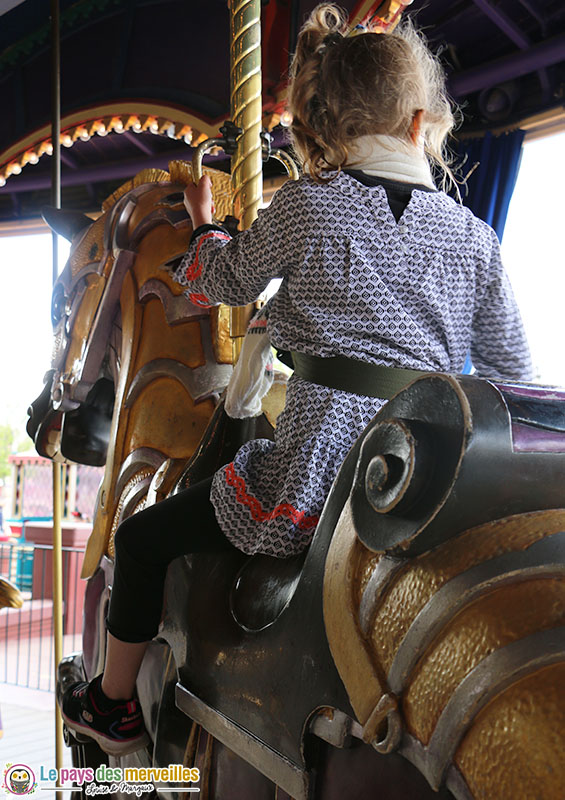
(378, 268)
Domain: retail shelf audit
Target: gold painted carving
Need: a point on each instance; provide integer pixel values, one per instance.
(10, 596)
(515, 743)
(423, 576)
(504, 616)
(361, 675)
(514, 750)
(223, 347)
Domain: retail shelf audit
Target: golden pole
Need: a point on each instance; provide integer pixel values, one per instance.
(247, 163)
(57, 607)
(57, 536)
(246, 108)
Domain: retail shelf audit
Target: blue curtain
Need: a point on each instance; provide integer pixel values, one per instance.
(491, 184)
(495, 161)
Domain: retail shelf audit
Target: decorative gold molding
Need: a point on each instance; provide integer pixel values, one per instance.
(545, 124)
(536, 126)
(118, 117)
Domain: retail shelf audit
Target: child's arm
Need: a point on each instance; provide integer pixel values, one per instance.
(499, 347)
(235, 271)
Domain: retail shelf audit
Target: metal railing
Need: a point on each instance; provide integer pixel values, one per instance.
(26, 634)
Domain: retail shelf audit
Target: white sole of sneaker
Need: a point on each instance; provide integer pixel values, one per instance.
(109, 746)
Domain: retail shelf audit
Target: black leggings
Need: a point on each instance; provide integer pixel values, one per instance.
(145, 544)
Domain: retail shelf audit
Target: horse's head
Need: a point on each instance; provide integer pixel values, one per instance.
(137, 368)
(77, 297)
(142, 231)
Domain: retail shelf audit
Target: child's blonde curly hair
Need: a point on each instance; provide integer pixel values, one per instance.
(345, 87)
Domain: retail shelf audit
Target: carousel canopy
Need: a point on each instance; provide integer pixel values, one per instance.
(143, 81)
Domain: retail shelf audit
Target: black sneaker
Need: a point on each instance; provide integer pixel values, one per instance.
(118, 731)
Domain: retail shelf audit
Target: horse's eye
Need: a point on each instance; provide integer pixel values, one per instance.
(58, 302)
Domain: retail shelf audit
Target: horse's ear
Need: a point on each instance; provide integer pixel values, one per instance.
(65, 223)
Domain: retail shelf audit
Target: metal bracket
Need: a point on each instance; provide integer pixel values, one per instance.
(228, 142)
(266, 142)
(335, 727)
(231, 133)
(290, 777)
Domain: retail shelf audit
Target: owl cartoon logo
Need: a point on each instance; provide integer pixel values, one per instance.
(19, 779)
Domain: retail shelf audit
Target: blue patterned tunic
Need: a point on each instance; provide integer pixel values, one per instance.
(418, 293)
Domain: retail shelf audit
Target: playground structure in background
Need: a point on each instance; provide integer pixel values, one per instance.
(32, 495)
(26, 558)
(31, 502)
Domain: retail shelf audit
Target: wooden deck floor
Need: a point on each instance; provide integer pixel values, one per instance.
(28, 721)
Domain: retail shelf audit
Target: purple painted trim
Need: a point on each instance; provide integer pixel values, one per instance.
(527, 439)
(105, 172)
(502, 21)
(531, 7)
(538, 392)
(139, 143)
(118, 169)
(503, 69)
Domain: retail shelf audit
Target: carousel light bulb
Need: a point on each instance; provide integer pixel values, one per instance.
(49, 149)
(101, 130)
(67, 140)
(136, 126)
(118, 126)
(33, 158)
(83, 134)
(2, 180)
(154, 126)
(188, 137)
(286, 118)
(15, 169)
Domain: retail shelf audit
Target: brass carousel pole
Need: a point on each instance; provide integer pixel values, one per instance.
(57, 535)
(246, 107)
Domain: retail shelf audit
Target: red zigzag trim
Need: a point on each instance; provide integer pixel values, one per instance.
(193, 270)
(255, 509)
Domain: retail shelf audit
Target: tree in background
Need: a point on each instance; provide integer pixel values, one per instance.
(11, 441)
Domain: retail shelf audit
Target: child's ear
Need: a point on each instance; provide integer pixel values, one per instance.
(416, 126)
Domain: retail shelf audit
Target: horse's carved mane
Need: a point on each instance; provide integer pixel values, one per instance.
(145, 176)
(179, 172)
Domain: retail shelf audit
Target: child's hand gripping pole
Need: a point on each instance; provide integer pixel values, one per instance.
(198, 202)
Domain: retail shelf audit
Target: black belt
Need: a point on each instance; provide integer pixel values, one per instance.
(351, 375)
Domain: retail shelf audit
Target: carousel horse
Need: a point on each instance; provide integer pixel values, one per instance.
(137, 369)
(417, 649)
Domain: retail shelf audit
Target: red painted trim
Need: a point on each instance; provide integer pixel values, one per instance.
(200, 300)
(255, 509)
(260, 323)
